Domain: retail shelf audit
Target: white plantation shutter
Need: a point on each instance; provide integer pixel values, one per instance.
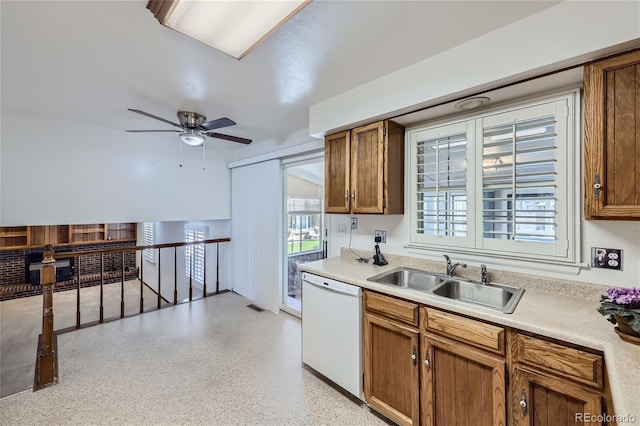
(515, 168)
(441, 190)
(194, 254)
(523, 159)
(148, 239)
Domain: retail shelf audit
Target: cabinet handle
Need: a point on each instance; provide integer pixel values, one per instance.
(427, 362)
(596, 186)
(346, 195)
(353, 196)
(523, 403)
(414, 356)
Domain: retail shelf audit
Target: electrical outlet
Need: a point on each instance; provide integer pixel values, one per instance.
(382, 235)
(606, 258)
(354, 223)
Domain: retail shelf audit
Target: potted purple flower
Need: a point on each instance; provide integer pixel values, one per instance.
(622, 305)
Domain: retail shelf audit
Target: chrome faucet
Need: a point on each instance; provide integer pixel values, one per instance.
(452, 267)
(483, 276)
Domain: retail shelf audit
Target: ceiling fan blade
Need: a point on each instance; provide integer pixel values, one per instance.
(145, 131)
(217, 124)
(229, 138)
(155, 117)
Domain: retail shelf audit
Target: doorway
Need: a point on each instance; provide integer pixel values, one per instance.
(304, 226)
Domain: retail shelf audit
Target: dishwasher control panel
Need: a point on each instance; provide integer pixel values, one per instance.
(331, 284)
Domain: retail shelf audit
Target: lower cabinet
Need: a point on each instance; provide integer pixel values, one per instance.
(436, 368)
(461, 385)
(391, 371)
(539, 399)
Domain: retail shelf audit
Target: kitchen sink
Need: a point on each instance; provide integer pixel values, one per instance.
(498, 297)
(409, 278)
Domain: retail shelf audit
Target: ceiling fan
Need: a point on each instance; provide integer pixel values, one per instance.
(194, 127)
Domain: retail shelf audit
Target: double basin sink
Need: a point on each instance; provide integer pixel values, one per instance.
(497, 297)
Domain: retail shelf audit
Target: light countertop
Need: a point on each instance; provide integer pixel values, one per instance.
(560, 313)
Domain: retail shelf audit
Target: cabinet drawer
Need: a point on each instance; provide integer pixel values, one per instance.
(390, 307)
(574, 363)
(476, 333)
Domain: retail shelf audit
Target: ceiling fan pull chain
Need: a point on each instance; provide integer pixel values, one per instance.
(203, 156)
(180, 143)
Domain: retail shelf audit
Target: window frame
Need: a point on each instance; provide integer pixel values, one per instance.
(567, 249)
(148, 239)
(197, 251)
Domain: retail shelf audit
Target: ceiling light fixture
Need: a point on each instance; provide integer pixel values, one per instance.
(233, 27)
(472, 103)
(192, 137)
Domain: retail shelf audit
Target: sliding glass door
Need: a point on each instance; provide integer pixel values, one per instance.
(304, 225)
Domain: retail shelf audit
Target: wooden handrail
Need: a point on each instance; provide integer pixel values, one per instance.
(152, 246)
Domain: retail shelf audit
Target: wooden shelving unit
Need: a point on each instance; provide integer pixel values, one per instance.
(90, 233)
(50, 234)
(14, 237)
(20, 237)
(121, 231)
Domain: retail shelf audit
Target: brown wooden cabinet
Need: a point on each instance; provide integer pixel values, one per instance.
(14, 237)
(364, 170)
(612, 138)
(391, 372)
(554, 384)
(20, 237)
(472, 372)
(540, 399)
(461, 383)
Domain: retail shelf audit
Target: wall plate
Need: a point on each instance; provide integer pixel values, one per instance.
(382, 235)
(606, 258)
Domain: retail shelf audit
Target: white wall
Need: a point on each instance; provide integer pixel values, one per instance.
(565, 34)
(66, 172)
(169, 232)
(623, 235)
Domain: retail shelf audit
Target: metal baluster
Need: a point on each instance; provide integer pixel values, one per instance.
(175, 275)
(141, 284)
(191, 274)
(122, 289)
(204, 269)
(159, 279)
(78, 296)
(102, 288)
(217, 268)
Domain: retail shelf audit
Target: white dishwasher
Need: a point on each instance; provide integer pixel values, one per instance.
(332, 331)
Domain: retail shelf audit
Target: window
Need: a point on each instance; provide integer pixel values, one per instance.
(515, 168)
(194, 254)
(148, 239)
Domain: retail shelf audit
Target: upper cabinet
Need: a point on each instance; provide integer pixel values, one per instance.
(364, 170)
(612, 138)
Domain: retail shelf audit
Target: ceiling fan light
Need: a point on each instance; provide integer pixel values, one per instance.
(193, 139)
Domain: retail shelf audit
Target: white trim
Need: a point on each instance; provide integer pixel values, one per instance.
(281, 153)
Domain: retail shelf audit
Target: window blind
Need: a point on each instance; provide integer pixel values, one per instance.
(519, 180)
(148, 238)
(442, 186)
(194, 254)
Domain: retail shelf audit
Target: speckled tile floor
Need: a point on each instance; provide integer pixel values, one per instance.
(211, 362)
(21, 323)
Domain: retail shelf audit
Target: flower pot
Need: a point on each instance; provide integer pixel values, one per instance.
(625, 331)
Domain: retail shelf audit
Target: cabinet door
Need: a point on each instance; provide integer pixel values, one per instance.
(542, 400)
(612, 144)
(391, 369)
(367, 170)
(461, 385)
(337, 163)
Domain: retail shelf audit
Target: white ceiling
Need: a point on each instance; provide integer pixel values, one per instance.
(88, 61)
